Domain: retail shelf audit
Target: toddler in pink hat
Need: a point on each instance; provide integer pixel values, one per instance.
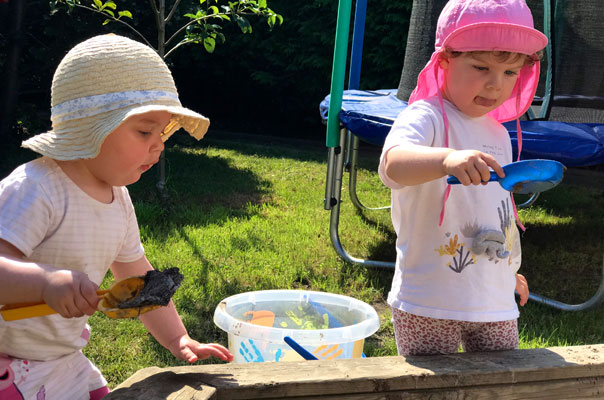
(456, 271)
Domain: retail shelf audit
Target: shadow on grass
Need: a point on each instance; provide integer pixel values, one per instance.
(267, 146)
(562, 256)
(201, 190)
(200, 180)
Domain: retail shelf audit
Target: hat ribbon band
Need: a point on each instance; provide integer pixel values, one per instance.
(93, 105)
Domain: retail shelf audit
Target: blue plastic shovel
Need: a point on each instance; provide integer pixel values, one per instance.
(527, 176)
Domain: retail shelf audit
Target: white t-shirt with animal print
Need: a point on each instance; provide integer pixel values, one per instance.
(437, 273)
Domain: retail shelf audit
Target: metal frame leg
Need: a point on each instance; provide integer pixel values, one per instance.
(335, 170)
(595, 300)
(530, 201)
(352, 155)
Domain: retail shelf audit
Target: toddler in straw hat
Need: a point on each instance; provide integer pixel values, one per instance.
(66, 218)
(456, 270)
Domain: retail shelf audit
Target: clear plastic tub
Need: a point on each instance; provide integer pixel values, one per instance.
(329, 326)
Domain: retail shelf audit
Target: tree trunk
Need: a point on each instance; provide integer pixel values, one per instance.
(161, 50)
(10, 86)
(420, 43)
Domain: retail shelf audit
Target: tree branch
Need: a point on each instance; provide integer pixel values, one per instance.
(155, 12)
(184, 41)
(174, 7)
(182, 28)
(154, 6)
(117, 20)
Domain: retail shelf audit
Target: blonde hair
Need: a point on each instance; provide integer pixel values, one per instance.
(501, 56)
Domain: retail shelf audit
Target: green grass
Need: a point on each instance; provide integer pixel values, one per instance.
(243, 217)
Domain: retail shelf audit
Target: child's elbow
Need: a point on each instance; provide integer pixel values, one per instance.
(393, 171)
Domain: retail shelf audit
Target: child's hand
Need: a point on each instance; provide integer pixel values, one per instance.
(471, 167)
(522, 289)
(70, 293)
(185, 348)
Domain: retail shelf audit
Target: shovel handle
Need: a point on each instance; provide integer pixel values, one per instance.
(299, 349)
(17, 311)
(454, 181)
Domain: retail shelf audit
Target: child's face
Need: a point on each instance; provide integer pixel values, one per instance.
(131, 149)
(479, 83)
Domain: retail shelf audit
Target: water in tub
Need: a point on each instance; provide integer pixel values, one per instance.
(295, 315)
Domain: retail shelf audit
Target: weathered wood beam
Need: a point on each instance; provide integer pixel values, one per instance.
(552, 373)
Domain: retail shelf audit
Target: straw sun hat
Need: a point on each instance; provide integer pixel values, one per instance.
(97, 86)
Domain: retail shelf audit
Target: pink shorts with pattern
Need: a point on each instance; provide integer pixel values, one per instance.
(417, 335)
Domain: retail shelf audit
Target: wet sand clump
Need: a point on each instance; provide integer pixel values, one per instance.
(159, 288)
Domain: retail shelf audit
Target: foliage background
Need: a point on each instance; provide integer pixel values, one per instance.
(265, 82)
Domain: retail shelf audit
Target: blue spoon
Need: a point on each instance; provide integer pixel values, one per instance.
(527, 176)
(299, 349)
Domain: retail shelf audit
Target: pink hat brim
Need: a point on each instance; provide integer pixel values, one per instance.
(508, 37)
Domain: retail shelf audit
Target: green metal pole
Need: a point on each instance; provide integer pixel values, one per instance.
(338, 72)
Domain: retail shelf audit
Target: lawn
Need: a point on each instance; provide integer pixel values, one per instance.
(244, 216)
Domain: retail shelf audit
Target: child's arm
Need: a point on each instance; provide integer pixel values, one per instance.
(70, 293)
(522, 288)
(165, 324)
(414, 164)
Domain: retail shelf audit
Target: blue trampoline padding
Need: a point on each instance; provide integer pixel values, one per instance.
(573, 144)
(370, 114)
(367, 114)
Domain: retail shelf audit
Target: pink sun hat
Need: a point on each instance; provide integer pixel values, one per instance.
(486, 25)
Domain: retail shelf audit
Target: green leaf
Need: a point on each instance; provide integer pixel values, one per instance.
(125, 13)
(214, 10)
(105, 22)
(202, 1)
(209, 44)
(109, 12)
(110, 4)
(243, 24)
(262, 3)
(98, 3)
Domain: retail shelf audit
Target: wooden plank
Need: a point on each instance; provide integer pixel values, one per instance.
(157, 383)
(479, 374)
(589, 388)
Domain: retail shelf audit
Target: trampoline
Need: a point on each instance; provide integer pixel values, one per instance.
(370, 114)
(565, 124)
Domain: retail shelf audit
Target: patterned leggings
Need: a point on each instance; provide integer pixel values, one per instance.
(417, 335)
